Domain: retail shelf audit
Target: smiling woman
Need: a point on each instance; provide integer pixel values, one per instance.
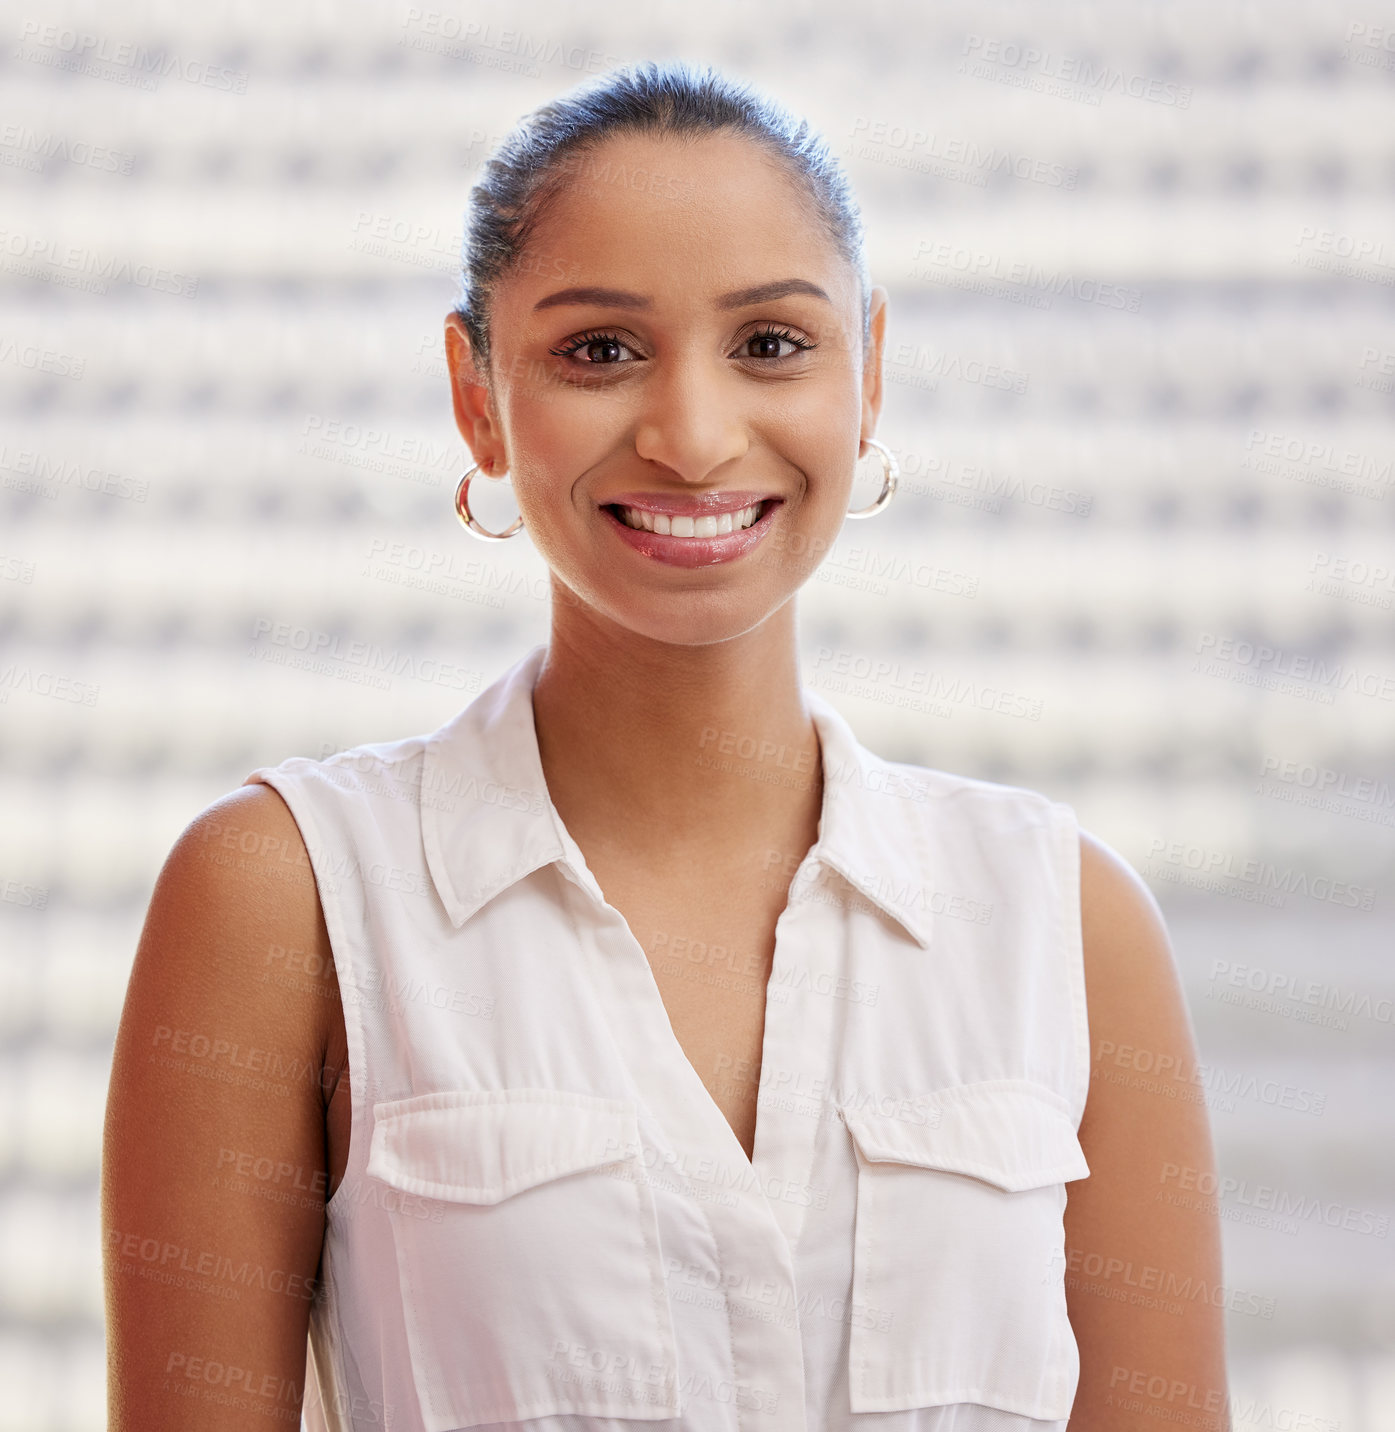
(662, 1053)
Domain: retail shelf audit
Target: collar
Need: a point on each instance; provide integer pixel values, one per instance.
(487, 819)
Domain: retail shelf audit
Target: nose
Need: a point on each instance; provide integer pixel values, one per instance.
(692, 421)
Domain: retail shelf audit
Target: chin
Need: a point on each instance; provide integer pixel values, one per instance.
(685, 619)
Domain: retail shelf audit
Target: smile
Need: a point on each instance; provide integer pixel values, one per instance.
(678, 525)
(688, 532)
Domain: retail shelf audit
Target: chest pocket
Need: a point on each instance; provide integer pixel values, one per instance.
(958, 1252)
(534, 1283)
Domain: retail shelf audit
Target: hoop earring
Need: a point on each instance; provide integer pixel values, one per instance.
(462, 511)
(891, 471)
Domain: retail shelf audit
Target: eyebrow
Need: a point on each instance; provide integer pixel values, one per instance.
(741, 298)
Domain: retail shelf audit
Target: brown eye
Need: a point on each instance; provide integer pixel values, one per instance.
(596, 350)
(777, 343)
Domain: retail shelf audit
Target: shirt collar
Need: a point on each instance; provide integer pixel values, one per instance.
(487, 819)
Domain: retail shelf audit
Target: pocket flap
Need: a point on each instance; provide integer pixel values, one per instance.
(485, 1145)
(1011, 1133)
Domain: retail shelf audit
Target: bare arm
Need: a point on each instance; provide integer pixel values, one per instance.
(214, 1164)
(1143, 1259)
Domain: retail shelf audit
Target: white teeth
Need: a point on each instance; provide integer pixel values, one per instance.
(690, 526)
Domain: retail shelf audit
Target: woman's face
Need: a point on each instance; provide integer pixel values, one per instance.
(680, 338)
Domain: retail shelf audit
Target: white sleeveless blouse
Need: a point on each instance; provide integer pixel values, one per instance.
(546, 1218)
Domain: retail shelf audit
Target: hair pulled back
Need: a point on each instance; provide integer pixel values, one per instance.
(531, 165)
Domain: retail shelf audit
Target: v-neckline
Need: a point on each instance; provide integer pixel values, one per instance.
(678, 1056)
(576, 869)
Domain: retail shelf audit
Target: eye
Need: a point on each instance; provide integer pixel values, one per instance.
(595, 350)
(768, 343)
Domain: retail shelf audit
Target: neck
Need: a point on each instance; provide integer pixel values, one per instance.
(669, 752)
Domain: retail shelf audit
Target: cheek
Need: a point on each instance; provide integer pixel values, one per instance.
(820, 440)
(537, 422)
(546, 453)
(543, 502)
(819, 415)
(557, 435)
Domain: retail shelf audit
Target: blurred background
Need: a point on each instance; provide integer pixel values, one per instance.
(1141, 260)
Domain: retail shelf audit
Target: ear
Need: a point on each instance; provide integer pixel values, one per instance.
(471, 399)
(872, 367)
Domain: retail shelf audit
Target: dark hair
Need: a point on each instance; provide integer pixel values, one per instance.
(528, 168)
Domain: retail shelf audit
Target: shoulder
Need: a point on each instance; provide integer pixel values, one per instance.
(232, 849)
(1004, 828)
(1131, 981)
(222, 1066)
(1125, 940)
(380, 777)
(234, 939)
(1143, 1055)
(931, 786)
(1145, 1133)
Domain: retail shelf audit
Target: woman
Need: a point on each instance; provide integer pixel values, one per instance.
(505, 994)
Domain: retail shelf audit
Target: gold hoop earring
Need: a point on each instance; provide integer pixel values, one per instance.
(462, 511)
(890, 470)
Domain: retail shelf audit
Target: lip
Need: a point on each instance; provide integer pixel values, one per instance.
(694, 551)
(700, 504)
